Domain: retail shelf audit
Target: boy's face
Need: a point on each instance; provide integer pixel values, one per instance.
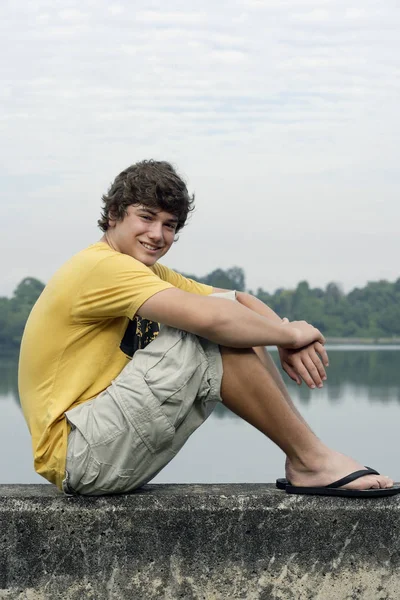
(145, 233)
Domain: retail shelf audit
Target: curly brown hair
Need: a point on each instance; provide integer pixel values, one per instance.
(155, 184)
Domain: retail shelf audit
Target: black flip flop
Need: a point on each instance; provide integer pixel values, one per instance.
(281, 483)
(335, 489)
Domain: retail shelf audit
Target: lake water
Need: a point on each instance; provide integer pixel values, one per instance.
(357, 412)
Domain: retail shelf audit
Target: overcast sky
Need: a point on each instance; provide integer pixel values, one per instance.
(282, 115)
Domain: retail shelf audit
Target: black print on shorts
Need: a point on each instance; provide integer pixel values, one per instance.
(138, 334)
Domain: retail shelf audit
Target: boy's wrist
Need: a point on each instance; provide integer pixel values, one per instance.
(289, 336)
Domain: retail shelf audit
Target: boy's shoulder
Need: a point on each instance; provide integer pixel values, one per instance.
(100, 254)
(99, 264)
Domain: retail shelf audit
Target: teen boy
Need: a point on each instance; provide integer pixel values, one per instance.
(109, 402)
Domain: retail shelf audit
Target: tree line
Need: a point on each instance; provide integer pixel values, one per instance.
(369, 312)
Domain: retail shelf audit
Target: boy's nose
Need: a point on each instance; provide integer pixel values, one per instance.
(155, 231)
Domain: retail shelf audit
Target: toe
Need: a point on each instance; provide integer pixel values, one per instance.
(381, 482)
(388, 483)
(371, 482)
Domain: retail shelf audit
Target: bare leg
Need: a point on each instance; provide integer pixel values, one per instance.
(251, 392)
(269, 364)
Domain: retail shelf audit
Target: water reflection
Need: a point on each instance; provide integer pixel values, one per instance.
(357, 412)
(371, 374)
(375, 375)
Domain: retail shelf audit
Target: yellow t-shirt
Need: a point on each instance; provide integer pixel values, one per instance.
(70, 350)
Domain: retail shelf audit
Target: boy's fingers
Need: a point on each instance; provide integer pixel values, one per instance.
(322, 352)
(318, 363)
(309, 367)
(302, 371)
(292, 373)
(312, 371)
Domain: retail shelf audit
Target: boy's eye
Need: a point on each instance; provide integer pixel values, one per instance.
(146, 217)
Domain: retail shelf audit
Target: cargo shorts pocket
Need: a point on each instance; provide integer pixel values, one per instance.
(146, 416)
(99, 478)
(171, 371)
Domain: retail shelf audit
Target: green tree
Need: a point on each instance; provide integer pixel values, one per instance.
(231, 279)
(14, 313)
(27, 292)
(4, 311)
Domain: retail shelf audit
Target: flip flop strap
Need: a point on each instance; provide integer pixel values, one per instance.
(352, 477)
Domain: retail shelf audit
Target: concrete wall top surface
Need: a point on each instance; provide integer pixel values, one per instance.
(247, 541)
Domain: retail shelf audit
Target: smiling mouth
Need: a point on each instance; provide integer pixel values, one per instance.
(150, 248)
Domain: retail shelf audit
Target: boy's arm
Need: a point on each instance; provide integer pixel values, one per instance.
(225, 322)
(302, 364)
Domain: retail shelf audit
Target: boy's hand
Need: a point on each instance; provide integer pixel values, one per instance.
(305, 334)
(307, 364)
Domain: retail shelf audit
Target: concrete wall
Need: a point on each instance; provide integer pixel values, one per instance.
(197, 542)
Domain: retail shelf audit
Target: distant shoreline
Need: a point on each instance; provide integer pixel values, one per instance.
(369, 341)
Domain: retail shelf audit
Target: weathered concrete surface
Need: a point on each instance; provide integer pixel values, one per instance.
(197, 542)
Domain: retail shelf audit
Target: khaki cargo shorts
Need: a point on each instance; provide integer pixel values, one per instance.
(124, 437)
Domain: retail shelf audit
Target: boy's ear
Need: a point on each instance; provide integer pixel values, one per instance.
(112, 218)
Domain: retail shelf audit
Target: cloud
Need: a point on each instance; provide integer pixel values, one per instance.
(157, 17)
(116, 9)
(355, 13)
(277, 92)
(72, 14)
(283, 4)
(228, 56)
(313, 16)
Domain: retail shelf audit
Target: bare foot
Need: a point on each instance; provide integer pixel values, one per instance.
(332, 467)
